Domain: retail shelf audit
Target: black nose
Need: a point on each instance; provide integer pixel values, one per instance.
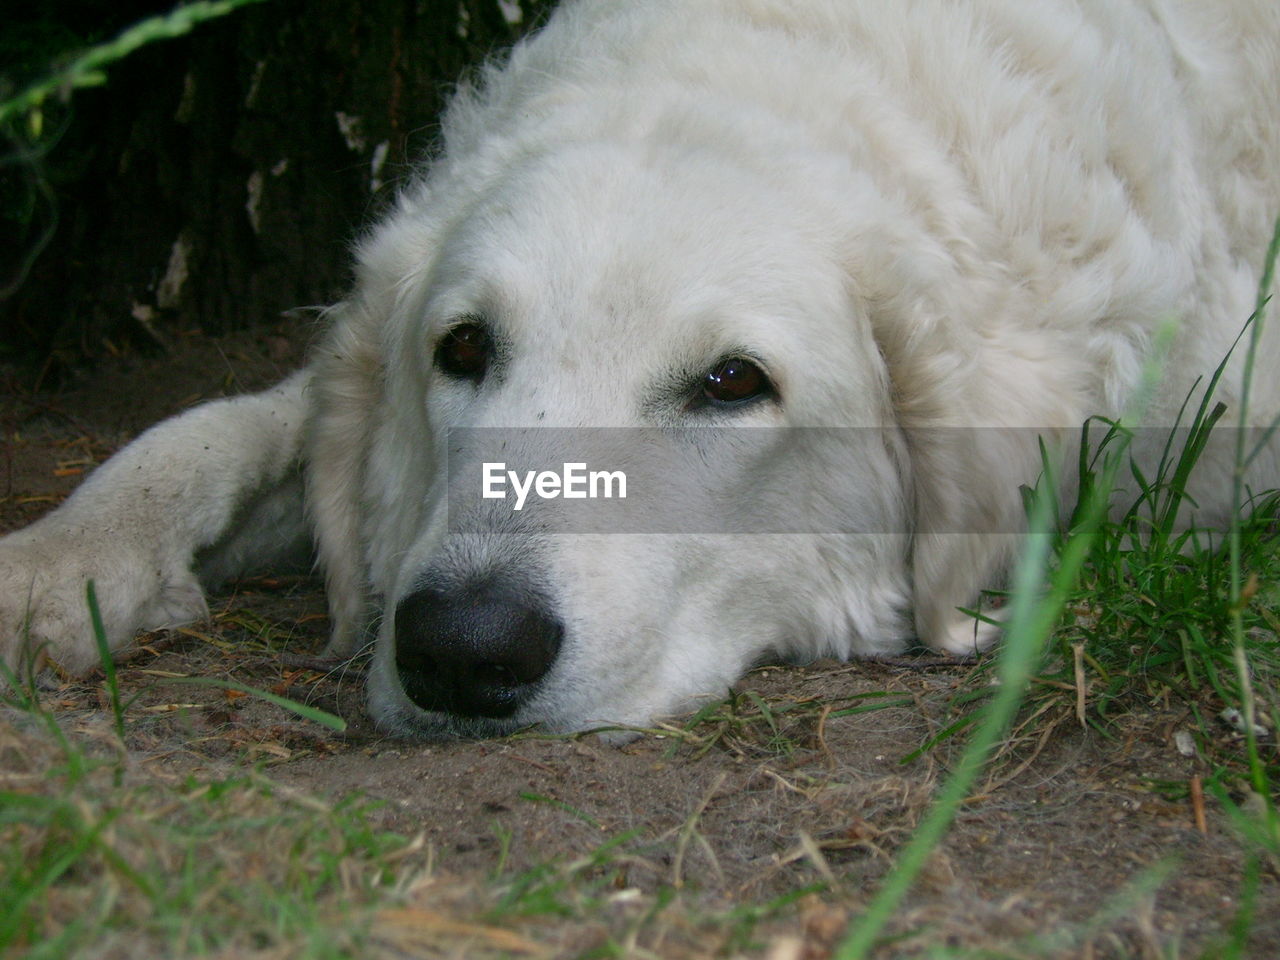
(476, 651)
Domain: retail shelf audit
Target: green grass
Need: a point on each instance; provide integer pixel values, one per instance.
(97, 860)
(91, 856)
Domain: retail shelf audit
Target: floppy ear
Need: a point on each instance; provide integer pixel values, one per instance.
(976, 382)
(346, 391)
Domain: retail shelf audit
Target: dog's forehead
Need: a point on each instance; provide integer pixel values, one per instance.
(594, 232)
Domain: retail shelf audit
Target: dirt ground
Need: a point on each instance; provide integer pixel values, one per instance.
(1072, 838)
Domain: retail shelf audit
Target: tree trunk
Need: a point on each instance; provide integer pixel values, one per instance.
(217, 181)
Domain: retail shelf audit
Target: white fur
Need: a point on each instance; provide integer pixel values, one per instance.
(921, 215)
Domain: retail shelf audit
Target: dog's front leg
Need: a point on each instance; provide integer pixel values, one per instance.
(137, 525)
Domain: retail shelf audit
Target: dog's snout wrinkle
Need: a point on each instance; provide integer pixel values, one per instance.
(474, 652)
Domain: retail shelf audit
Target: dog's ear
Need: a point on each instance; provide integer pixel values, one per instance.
(345, 399)
(976, 381)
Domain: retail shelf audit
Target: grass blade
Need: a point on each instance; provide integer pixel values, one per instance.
(104, 656)
(314, 714)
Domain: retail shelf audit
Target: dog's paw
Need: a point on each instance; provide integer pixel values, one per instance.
(963, 637)
(44, 607)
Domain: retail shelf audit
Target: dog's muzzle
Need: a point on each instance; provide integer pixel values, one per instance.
(477, 651)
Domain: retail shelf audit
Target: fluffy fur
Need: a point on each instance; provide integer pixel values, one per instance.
(921, 216)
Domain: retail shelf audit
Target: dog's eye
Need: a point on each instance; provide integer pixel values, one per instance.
(465, 351)
(735, 380)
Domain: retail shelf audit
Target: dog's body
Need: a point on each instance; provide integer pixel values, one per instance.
(915, 216)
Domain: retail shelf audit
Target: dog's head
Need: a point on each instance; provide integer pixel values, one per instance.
(692, 327)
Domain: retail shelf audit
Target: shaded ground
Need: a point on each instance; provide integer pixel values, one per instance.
(696, 841)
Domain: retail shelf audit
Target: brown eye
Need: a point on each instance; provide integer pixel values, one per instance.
(735, 380)
(465, 351)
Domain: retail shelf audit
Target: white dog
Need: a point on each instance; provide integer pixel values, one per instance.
(663, 222)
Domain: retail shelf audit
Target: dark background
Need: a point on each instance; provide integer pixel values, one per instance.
(166, 155)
